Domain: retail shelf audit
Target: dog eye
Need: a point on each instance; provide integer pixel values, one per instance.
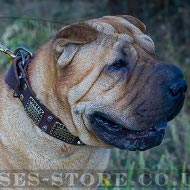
(119, 64)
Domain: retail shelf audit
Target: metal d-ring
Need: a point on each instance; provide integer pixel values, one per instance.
(23, 49)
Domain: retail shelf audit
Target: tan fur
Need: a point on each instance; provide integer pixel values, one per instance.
(69, 80)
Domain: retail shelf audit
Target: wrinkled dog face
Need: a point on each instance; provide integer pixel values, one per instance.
(117, 92)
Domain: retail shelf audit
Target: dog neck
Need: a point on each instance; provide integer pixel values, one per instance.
(17, 79)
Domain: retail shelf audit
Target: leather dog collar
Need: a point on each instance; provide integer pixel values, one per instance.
(17, 79)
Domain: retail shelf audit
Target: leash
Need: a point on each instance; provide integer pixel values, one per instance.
(17, 79)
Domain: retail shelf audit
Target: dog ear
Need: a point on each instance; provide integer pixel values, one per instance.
(134, 21)
(66, 41)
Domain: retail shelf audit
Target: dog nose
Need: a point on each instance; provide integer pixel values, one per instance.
(172, 88)
(172, 81)
(178, 87)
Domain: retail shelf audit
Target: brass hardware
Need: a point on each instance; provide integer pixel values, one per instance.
(21, 97)
(34, 111)
(61, 132)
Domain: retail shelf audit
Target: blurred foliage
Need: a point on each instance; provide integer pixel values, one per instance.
(28, 32)
(33, 22)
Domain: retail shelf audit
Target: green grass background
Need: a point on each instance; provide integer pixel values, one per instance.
(33, 22)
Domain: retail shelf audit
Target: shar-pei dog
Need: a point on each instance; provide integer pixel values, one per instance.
(102, 87)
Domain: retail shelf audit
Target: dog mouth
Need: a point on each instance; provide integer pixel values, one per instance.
(119, 136)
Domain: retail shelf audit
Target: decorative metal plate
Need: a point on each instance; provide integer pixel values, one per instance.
(34, 110)
(61, 132)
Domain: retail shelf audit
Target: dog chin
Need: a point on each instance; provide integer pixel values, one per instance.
(118, 136)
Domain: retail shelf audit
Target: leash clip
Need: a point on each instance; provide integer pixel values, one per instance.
(6, 51)
(20, 51)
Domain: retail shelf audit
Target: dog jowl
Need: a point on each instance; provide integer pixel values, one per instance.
(120, 93)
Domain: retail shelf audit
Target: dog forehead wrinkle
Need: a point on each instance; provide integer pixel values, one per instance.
(125, 38)
(102, 27)
(134, 21)
(105, 26)
(121, 25)
(106, 42)
(146, 43)
(120, 30)
(103, 50)
(118, 25)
